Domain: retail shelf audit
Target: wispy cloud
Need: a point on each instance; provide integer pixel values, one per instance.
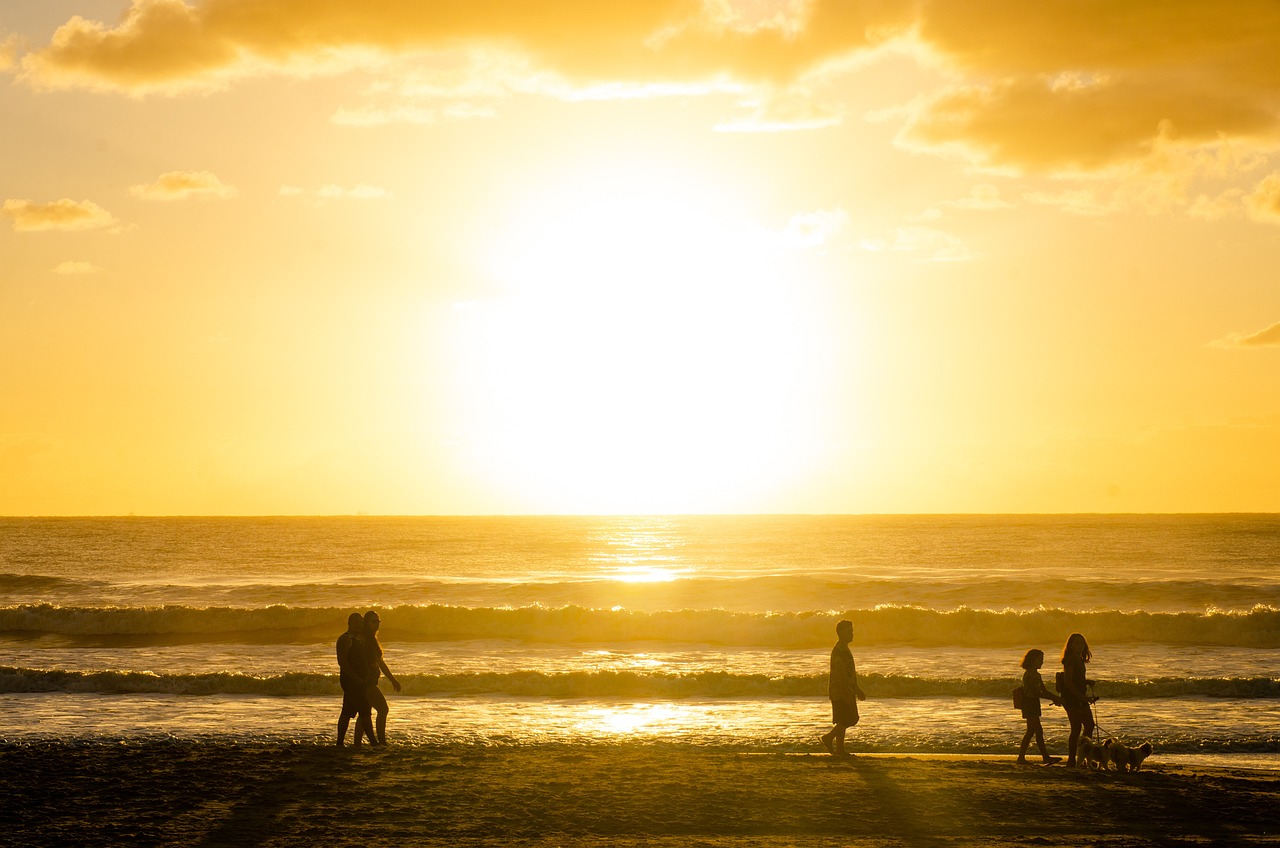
(928, 244)
(65, 214)
(782, 111)
(9, 46)
(983, 196)
(1216, 207)
(183, 185)
(1264, 202)
(1270, 337)
(1079, 201)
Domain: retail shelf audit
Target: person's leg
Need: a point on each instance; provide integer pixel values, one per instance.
(379, 702)
(828, 738)
(1026, 740)
(1074, 741)
(364, 722)
(839, 739)
(344, 718)
(1044, 749)
(363, 728)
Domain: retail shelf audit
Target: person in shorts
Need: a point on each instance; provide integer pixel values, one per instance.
(1033, 689)
(843, 690)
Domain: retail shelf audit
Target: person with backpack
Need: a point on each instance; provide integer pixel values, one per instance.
(1032, 690)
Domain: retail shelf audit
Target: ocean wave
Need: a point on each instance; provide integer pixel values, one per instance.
(888, 625)
(39, 584)
(602, 684)
(778, 593)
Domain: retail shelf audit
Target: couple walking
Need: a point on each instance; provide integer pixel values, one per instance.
(360, 664)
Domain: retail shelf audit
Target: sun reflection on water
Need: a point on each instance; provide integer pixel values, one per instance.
(644, 574)
(630, 720)
(641, 551)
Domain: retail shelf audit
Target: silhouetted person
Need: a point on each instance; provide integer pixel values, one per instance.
(843, 690)
(353, 674)
(373, 653)
(1073, 689)
(1032, 689)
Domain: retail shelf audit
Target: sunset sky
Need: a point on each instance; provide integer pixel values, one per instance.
(506, 256)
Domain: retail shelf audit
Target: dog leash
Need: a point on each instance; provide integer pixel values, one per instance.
(1093, 708)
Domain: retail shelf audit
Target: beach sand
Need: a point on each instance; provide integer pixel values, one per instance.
(214, 793)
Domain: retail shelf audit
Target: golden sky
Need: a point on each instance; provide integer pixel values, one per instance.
(508, 256)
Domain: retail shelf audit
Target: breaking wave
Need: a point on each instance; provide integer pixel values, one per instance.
(602, 684)
(900, 625)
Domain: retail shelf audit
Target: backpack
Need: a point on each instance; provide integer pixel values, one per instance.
(1018, 697)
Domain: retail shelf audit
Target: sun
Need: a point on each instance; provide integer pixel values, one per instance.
(648, 352)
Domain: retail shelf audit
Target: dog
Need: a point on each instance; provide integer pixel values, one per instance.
(1129, 758)
(1094, 754)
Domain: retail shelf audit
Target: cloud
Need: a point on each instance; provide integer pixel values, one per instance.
(782, 111)
(935, 244)
(168, 45)
(1033, 127)
(181, 185)
(983, 196)
(1079, 201)
(1216, 207)
(1270, 337)
(8, 51)
(1264, 203)
(1063, 86)
(1057, 87)
(76, 268)
(932, 245)
(461, 85)
(62, 214)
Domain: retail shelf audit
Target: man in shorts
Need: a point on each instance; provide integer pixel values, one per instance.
(843, 690)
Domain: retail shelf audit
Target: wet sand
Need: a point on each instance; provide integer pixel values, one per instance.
(214, 793)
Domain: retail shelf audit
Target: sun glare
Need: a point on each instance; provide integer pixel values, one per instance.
(645, 574)
(632, 720)
(648, 352)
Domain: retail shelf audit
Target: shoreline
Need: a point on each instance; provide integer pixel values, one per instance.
(179, 792)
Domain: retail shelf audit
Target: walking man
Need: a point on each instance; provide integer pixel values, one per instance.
(843, 690)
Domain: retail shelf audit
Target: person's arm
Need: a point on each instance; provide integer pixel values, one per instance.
(1052, 696)
(343, 649)
(857, 690)
(395, 684)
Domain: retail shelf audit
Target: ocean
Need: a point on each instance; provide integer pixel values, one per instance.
(708, 631)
